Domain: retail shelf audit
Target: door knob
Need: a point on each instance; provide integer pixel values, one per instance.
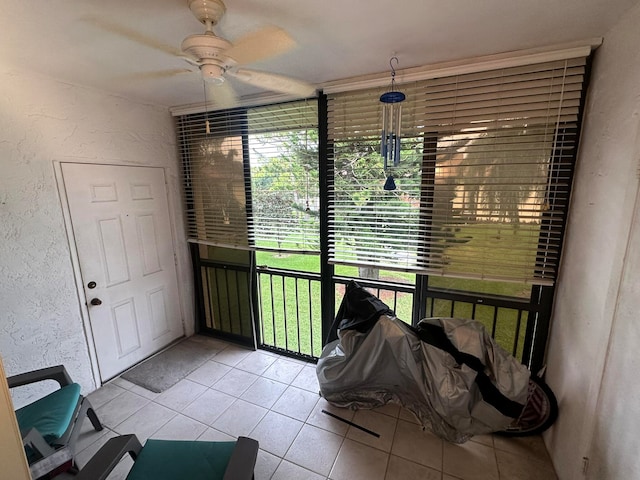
(96, 302)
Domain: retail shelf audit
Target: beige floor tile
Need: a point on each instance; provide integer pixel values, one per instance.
(266, 465)
(289, 471)
(283, 370)
(88, 435)
(413, 443)
(327, 422)
(275, 433)
(315, 449)
(143, 392)
(213, 435)
(470, 461)
(531, 447)
(215, 344)
(105, 394)
(235, 383)
(256, 362)
(296, 403)
(209, 406)
(120, 408)
(390, 409)
(383, 425)
(180, 428)
(402, 469)
(232, 355)
(240, 418)
(518, 467)
(209, 373)
(307, 379)
(85, 455)
(146, 421)
(264, 392)
(180, 395)
(356, 461)
(291, 449)
(408, 416)
(483, 439)
(122, 383)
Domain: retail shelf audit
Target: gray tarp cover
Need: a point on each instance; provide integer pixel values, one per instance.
(390, 364)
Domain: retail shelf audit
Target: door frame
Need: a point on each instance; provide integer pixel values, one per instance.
(75, 259)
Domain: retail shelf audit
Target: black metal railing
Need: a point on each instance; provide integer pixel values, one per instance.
(290, 317)
(506, 318)
(226, 306)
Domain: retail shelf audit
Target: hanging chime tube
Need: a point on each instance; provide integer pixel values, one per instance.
(396, 132)
(391, 125)
(390, 134)
(383, 140)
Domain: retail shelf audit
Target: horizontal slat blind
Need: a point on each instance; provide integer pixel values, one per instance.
(283, 153)
(250, 179)
(483, 181)
(215, 183)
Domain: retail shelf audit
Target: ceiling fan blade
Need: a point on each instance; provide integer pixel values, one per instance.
(132, 35)
(221, 96)
(260, 45)
(155, 75)
(274, 82)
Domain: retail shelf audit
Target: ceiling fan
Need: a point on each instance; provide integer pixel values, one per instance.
(218, 58)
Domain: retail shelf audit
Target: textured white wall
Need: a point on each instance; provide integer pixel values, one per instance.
(616, 442)
(595, 321)
(42, 121)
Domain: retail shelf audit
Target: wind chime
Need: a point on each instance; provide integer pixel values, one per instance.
(391, 125)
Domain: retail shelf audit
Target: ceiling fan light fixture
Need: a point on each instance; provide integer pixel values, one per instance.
(212, 73)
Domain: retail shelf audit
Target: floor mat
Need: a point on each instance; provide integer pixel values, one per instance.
(165, 369)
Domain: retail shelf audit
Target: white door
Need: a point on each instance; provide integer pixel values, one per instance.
(121, 227)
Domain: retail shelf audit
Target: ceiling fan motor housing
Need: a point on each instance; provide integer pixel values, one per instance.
(205, 45)
(209, 49)
(207, 10)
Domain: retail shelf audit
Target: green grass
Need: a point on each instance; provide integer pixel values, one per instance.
(284, 311)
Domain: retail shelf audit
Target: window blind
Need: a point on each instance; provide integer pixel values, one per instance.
(283, 155)
(250, 177)
(483, 181)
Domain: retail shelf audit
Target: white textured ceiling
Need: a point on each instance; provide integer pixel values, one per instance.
(335, 38)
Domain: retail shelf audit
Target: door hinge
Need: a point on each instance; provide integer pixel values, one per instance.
(585, 465)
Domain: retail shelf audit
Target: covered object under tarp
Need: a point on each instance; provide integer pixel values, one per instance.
(449, 372)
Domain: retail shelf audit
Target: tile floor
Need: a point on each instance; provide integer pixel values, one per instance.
(275, 400)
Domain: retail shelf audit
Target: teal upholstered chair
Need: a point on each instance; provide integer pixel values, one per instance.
(50, 426)
(175, 459)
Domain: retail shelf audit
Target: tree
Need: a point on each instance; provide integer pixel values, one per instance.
(506, 169)
(284, 187)
(359, 178)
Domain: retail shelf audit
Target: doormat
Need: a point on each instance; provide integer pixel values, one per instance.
(167, 368)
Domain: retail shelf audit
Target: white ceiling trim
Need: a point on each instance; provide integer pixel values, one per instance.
(470, 65)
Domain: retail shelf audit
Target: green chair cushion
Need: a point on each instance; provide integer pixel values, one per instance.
(51, 415)
(177, 460)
